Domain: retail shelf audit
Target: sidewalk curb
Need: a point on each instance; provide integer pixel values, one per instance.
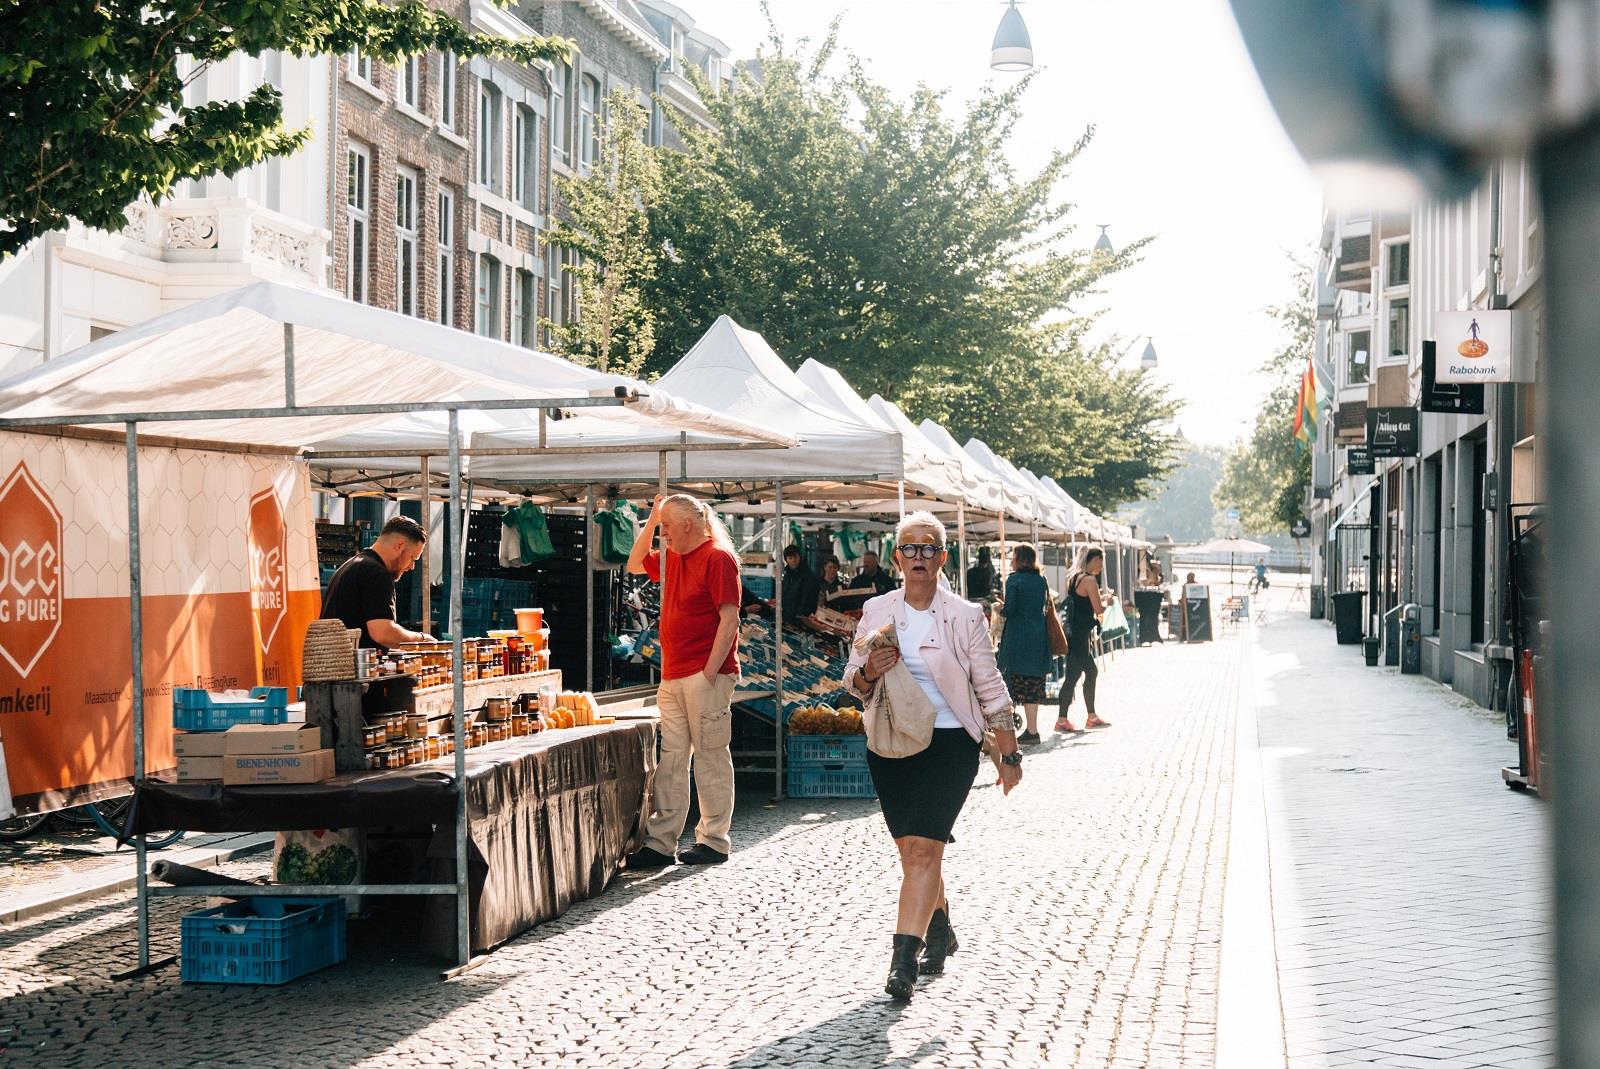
(1250, 1021)
(201, 858)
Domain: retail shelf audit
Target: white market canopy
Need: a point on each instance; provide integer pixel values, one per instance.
(354, 370)
(975, 488)
(1010, 499)
(734, 372)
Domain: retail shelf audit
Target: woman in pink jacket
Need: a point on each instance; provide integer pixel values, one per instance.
(943, 640)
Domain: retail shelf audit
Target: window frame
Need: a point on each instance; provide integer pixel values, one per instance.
(491, 136)
(358, 221)
(560, 93)
(445, 255)
(358, 67)
(408, 82)
(1350, 358)
(447, 90)
(525, 157)
(588, 122)
(408, 181)
(487, 297)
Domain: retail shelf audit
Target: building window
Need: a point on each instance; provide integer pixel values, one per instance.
(410, 75)
(359, 66)
(525, 310)
(1359, 346)
(552, 300)
(447, 90)
(588, 128)
(491, 137)
(405, 235)
(1397, 271)
(1399, 327)
(560, 89)
(488, 323)
(447, 257)
(569, 287)
(525, 159)
(358, 226)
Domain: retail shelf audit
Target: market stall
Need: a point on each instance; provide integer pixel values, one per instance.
(267, 370)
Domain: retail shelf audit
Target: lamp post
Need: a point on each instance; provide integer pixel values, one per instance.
(1012, 49)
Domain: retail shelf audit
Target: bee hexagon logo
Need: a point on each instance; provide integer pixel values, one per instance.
(269, 566)
(30, 570)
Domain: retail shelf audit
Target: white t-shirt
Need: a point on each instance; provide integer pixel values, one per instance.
(919, 625)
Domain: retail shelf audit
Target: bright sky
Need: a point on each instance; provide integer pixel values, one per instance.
(1186, 148)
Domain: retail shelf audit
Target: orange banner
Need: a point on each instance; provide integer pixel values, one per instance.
(230, 584)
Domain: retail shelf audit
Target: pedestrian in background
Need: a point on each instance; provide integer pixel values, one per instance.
(981, 577)
(830, 582)
(944, 643)
(1086, 603)
(699, 668)
(1024, 655)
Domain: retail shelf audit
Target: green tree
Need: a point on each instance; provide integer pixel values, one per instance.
(892, 240)
(610, 230)
(1182, 508)
(93, 98)
(1266, 475)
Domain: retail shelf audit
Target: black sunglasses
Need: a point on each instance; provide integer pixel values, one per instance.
(920, 549)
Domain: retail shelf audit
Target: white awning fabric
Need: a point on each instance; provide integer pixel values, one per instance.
(226, 353)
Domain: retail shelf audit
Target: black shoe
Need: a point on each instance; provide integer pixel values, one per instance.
(1028, 738)
(702, 854)
(903, 968)
(940, 945)
(645, 859)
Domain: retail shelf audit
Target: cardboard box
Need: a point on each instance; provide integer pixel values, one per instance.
(239, 770)
(199, 743)
(198, 768)
(272, 739)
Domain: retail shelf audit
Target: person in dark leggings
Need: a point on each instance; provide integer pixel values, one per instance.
(1086, 603)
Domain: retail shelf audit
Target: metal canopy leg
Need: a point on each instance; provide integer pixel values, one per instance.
(777, 639)
(961, 545)
(458, 704)
(588, 589)
(427, 571)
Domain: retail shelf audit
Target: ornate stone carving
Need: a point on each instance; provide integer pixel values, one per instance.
(288, 250)
(192, 232)
(135, 229)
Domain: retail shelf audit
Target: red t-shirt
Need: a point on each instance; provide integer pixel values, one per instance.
(698, 584)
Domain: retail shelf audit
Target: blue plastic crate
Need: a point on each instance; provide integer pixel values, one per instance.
(830, 781)
(262, 940)
(194, 710)
(828, 766)
(826, 749)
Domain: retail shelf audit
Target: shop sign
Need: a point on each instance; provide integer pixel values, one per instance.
(30, 571)
(1359, 458)
(1392, 432)
(1450, 398)
(1483, 346)
(269, 570)
(1300, 528)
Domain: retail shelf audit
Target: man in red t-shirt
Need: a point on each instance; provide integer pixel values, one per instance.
(699, 667)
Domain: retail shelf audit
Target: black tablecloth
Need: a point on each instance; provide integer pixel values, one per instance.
(549, 818)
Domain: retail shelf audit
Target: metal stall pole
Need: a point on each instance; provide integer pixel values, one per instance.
(136, 645)
(1569, 175)
(588, 593)
(777, 638)
(902, 499)
(427, 571)
(459, 701)
(961, 540)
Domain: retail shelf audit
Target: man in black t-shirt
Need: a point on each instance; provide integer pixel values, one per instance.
(361, 592)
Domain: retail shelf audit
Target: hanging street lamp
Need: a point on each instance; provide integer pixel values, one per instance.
(1012, 49)
(1103, 244)
(1148, 360)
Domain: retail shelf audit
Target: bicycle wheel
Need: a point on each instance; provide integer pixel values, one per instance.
(19, 828)
(82, 816)
(109, 825)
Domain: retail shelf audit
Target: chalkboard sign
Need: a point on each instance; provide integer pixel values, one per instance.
(1197, 613)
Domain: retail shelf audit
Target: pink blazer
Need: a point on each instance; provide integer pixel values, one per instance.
(958, 654)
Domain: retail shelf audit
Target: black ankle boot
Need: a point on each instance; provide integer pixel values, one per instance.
(940, 945)
(903, 967)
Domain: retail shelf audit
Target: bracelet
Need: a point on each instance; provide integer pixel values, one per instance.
(870, 681)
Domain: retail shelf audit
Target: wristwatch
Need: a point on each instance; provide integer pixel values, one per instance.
(1014, 759)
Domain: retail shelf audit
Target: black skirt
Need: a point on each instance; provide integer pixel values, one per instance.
(923, 794)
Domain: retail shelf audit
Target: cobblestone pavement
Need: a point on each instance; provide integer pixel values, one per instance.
(1088, 903)
(1410, 887)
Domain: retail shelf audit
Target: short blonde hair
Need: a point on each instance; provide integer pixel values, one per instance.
(921, 518)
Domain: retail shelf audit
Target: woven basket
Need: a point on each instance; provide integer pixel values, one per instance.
(329, 654)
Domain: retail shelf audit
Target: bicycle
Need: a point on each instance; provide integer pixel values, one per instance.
(104, 815)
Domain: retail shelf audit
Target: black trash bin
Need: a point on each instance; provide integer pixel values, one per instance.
(1347, 616)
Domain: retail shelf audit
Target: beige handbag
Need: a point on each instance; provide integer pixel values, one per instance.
(899, 717)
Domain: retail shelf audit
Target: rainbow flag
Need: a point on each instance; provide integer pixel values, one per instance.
(1305, 413)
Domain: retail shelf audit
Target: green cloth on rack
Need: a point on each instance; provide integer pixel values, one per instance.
(851, 544)
(527, 519)
(618, 529)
